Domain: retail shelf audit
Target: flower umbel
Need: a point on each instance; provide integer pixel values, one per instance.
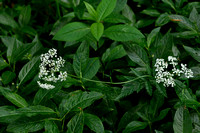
(165, 76)
(50, 69)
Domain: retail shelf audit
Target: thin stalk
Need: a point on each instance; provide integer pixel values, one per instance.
(58, 9)
(115, 83)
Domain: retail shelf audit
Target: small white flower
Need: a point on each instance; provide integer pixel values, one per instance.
(50, 64)
(45, 85)
(164, 76)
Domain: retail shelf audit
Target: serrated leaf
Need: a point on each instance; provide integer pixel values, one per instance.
(29, 70)
(8, 114)
(162, 114)
(182, 121)
(26, 124)
(35, 110)
(183, 22)
(94, 123)
(12, 45)
(123, 33)
(151, 37)
(43, 95)
(25, 15)
(72, 32)
(170, 3)
(162, 19)
(91, 10)
(79, 101)
(161, 89)
(137, 54)
(112, 54)
(97, 30)
(75, 125)
(13, 97)
(135, 126)
(7, 77)
(105, 8)
(195, 53)
(51, 127)
(5, 19)
(151, 12)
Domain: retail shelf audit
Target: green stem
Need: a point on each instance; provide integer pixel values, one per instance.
(58, 9)
(115, 83)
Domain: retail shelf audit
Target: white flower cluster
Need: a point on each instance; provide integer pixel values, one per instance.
(49, 67)
(166, 77)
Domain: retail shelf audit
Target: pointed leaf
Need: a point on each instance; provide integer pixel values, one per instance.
(75, 125)
(3, 64)
(123, 33)
(151, 37)
(8, 114)
(195, 53)
(5, 19)
(135, 126)
(94, 123)
(51, 127)
(72, 32)
(91, 10)
(7, 77)
(13, 97)
(182, 121)
(170, 3)
(25, 15)
(97, 30)
(162, 19)
(29, 70)
(79, 101)
(105, 8)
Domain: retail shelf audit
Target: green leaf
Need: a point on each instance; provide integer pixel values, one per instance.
(25, 15)
(128, 89)
(94, 123)
(51, 127)
(7, 77)
(195, 53)
(182, 121)
(135, 126)
(12, 44)
(8, 114)
(151, 37)
(105, 8)
(193, 15)
(5, 19)
(170, 3)
(20, 52)
(183, 22)
(163, 47)
(83, 65)
(156, 131)
(97, 30)
(161, 89)
(91, 10)
(148, 87)
(137, 54)
(115, 53)
(26, 124)
(196, 72)
(162, 114)
(72, 32)
(3, 64)
(185, 34)
(13, 97)
(29, 70)
(35, 110)
(123, 33)
(162, 19)
(151, 12)
(120, 5)
(79, 101)
(75, 125)
(43, 95)
(129, 14)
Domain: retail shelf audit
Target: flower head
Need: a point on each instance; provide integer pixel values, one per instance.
(165, 76)
(50, 69)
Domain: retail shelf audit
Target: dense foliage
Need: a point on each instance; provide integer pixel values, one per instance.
(110, 48)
